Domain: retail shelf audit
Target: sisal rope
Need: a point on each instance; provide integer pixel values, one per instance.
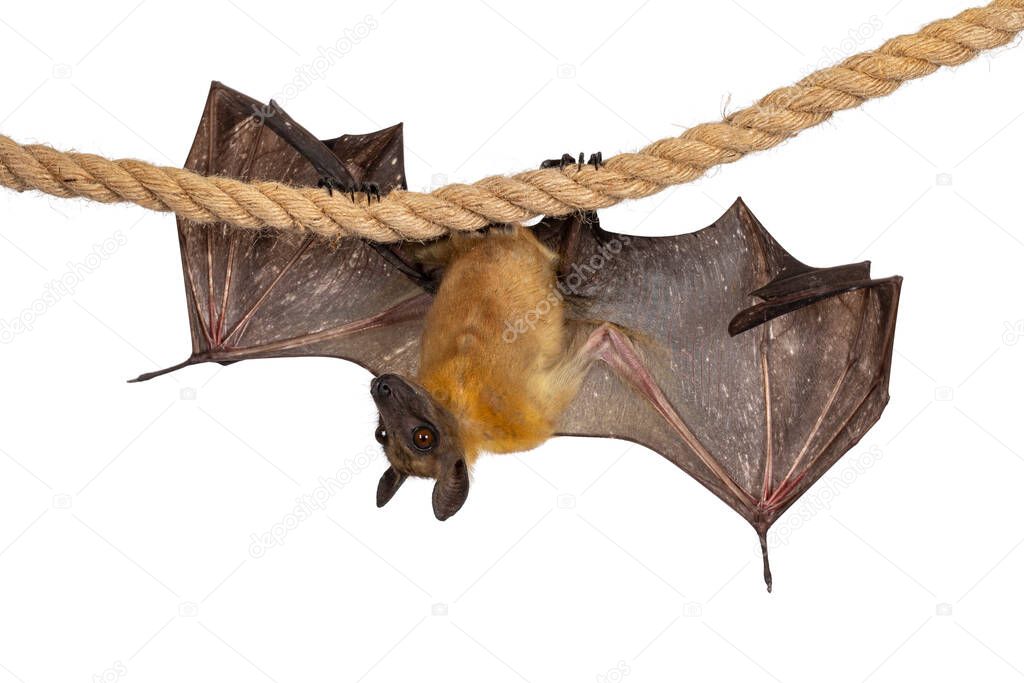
(403, 215)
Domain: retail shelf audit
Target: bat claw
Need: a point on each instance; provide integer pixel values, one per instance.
(561, 162)
(371, 190)
(332, 184)
(596, 160)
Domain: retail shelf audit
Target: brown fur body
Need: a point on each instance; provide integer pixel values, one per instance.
(495, 349)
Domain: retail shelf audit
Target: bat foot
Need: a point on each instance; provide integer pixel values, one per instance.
(371, 190)
(596, 160)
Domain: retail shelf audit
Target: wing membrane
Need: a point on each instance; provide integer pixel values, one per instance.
(268, 294)
(800, 381)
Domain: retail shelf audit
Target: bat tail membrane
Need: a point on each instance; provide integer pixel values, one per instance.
(791, 291)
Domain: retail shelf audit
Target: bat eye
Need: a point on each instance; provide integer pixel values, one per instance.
(381, 435)
(424, 438)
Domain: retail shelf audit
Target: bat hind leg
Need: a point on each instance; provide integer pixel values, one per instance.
(571, 231)
(388, 252)
(428, 282)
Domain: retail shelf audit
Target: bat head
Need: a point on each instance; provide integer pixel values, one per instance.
(421, 439)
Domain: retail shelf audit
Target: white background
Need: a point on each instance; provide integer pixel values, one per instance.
(127, 511)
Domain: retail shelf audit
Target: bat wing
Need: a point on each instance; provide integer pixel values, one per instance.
(775, 368)
(271, 294)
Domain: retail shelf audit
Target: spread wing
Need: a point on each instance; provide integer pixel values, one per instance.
(269, 294)
(802, 380)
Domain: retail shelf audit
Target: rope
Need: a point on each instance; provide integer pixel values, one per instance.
(405, 215)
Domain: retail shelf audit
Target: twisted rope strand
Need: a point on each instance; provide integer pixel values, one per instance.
(405, 215)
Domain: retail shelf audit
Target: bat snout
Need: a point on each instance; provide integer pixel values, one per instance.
(381, 387)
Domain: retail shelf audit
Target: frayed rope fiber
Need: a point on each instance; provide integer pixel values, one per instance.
(405, 215)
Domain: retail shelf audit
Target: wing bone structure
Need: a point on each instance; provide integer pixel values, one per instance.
(748, 369)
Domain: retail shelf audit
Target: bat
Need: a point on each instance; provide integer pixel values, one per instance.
(751, 371)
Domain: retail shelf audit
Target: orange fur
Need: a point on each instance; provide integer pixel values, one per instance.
(494, 350)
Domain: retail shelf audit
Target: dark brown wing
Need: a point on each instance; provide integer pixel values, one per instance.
(269, 294)
(802, 380)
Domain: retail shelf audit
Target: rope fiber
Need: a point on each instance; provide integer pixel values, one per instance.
(403, 215)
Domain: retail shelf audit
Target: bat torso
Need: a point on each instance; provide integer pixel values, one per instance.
(494, 347)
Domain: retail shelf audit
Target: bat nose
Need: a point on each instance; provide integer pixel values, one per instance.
(379, 387)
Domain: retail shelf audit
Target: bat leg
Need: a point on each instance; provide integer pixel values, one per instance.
(570, 238)
(334, 176)
(612, 346)
(371, 190)
(569, 243)
(428, 282)
(573, 225)
(388, 252)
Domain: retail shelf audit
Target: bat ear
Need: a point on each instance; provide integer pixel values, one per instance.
(388, 485)
(451, 489)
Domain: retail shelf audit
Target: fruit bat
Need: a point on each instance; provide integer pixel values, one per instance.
(748, 369)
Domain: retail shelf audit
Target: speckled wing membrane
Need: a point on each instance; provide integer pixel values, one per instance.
(273, 294)
(776, 368)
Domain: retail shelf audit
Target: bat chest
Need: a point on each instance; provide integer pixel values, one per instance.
(492, 339)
